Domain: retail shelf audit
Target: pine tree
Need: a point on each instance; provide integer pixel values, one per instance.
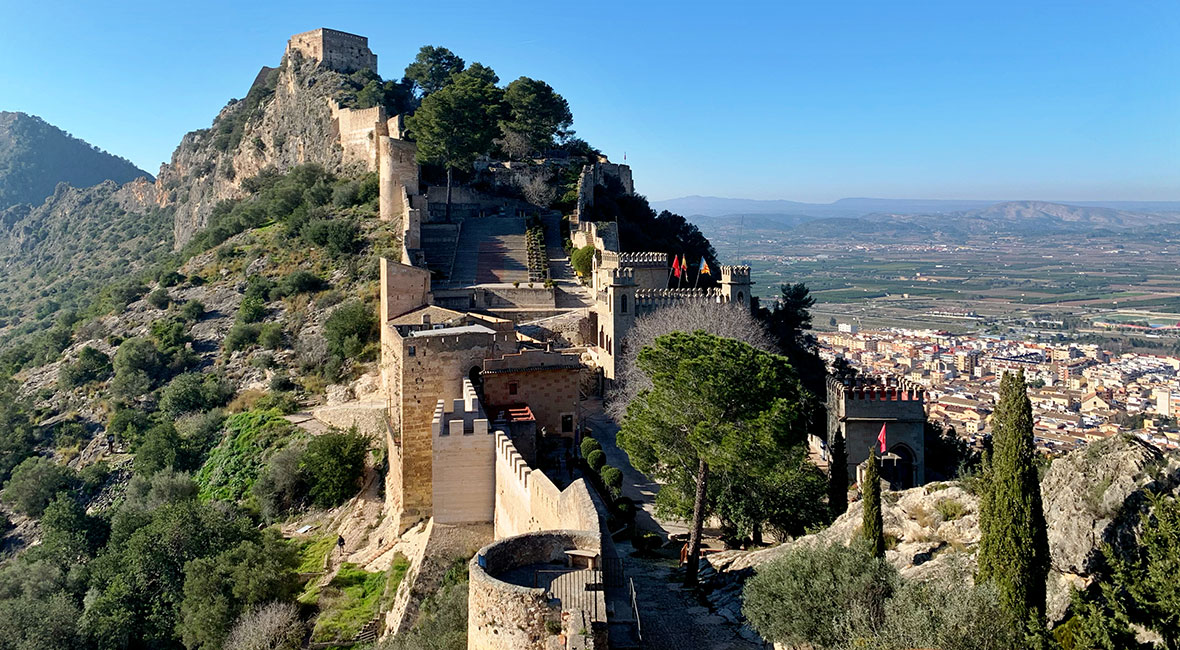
(1014, 545)
(871, 523)
(837, 476)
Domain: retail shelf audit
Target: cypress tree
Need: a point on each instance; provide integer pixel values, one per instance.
(871, 522)
(1014, 544)
(837, 477)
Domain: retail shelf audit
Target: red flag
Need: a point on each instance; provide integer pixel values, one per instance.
(675, 266)
(881, 437)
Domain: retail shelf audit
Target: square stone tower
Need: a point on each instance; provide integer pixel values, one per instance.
(339, 51)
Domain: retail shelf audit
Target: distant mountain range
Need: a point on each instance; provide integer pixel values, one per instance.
(712, 206)
(929, 217)
(35, 156)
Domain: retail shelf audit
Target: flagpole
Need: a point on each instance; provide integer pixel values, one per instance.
(697, 284)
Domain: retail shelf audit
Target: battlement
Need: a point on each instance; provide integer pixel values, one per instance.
(643, 259)
(336, 50)
(622, 276)
(889, 390)
(735, 274)
(651, 299)
(506, 452)
(465, 417)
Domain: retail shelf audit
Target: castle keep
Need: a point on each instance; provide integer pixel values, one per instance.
(857, 412)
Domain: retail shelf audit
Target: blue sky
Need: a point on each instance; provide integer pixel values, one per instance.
(806, 101)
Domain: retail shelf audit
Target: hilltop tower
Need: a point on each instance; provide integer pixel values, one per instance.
(736, 285)
(339, 51)
(856, 413)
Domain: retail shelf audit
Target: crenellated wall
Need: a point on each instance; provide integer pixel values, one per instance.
(334, 49)
(463, 463)
(527, 500)
(857, 413)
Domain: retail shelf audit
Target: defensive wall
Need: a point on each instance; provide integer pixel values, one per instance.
(339, 51)
(502, 613)
(528, 501)
(463, 463)
(856, 412)
(595, 175)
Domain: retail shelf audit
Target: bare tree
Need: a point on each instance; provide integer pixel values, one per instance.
(273, 626)
(726, 320)
(538, 190)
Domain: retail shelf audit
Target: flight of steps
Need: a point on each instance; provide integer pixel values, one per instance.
(439, 242)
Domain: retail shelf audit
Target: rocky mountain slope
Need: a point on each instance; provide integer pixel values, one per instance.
(284, 120)
(35, 156)
(1092, 497)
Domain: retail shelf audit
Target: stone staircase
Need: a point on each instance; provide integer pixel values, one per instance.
(493, 251)
(439, 243)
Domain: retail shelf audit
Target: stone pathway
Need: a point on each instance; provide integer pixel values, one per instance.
(673, 618)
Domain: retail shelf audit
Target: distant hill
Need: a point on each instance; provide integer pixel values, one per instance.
(795, 211)
(35, 156)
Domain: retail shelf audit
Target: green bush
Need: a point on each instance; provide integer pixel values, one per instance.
(138, 368)
(338, 236)
(161, 448)
(281, 486)
(583, 260)
(159, 299)
(92, 365)
(350, 328)
(589, 445)
(297, 282)
(333, 464)
(808, 594)
(192, 311)
(34, 483)
(612, 477)
(596, 459)
(950, 509)
(128, 424)
(194, 392)
(252, 310)
(232, 466)
(271, 337)
(241, 336)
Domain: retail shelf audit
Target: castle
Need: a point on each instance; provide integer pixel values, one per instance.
(856, 413)
(489, 344)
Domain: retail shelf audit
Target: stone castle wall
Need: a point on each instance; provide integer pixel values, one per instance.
(527, 501)
(502, 615)
(463, 464)
(336, 50)
(857, 413)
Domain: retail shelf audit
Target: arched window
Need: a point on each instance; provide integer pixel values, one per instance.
(474, 376)
(741, 298)
(601, 339)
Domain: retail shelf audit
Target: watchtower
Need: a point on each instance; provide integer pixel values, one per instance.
(857, 412)
(736, 285)
(335, 50)
(616, 316)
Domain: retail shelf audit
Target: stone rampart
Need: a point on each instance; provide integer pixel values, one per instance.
(504, 615)
(463, 464)
(528, 501)
(358, 130)
(649, 300)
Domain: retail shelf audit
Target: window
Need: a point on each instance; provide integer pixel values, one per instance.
(623, 303)
(411, 351)
(513, 387)
(567, 423)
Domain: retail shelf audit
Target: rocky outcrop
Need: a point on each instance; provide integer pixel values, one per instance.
(285, 120)
(1092, 497)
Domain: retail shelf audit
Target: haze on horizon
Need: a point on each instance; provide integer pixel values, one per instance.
(762, 101)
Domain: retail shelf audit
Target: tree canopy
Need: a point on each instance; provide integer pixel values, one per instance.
(695, 419)
(432, 69)
(535, 111)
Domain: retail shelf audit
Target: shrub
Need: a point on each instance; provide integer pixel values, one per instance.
(583, 260)
(297, 282)
(159, 299)
(162, 448)
(337, 236)
(241, 336)
(950, 509)
(231, 468)
(589, 445)
(194, 392)
(128, 424)
(596, 459)
(281, 486)
(349, 329)
(612, 477)
(271, 337)
(34, 483)
(831, 581)
(278, 401)
(333, 464)
(138, 368)
(273, 626)
(252, 310)
(92, 365)
(192, 311)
